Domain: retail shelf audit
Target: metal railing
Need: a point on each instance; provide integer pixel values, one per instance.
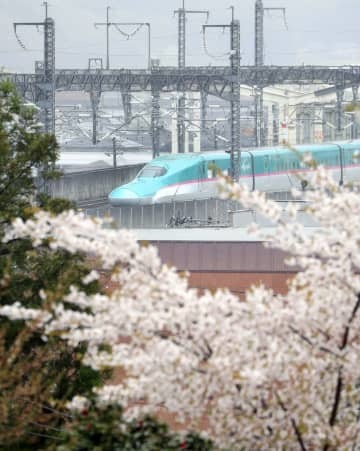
(196, 213)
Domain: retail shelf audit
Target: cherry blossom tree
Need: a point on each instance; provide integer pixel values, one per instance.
(36, 377)
(40, 374)
(269, 372)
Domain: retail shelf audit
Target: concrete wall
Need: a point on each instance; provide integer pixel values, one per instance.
(87, 185)
(233, 265)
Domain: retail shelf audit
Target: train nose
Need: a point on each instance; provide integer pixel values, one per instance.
(123, 196)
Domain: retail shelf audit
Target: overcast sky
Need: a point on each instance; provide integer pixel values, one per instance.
(323, 32)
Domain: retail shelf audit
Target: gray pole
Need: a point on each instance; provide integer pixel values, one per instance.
(235, 147)
(155, 116)
(107, 38)
(259, 33)
(114, 152)
(181, 65)
(259, 61)
(45, 96)
(49, 72)
(126, 102)
(46, 9)
(354, 128)
(235, 150)
(149, 45)
(95, 96)
(181, 12)
(182, 36)
(339, 131)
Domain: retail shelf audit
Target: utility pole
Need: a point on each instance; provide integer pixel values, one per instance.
(235, 149)
(215, 136)
(155, 120)
(46, 96)
(114, 152)
(235, 154)
(107, 25)
(182, 13)
(259, 62)
(95, 96)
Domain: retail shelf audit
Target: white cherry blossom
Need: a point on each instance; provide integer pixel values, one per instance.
(269, 372)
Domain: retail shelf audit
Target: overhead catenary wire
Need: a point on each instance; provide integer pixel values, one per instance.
(22, 45)
(219, 56)
(128, 35)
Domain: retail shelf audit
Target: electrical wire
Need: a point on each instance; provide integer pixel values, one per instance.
(18, 39)
(218, 57)
(128, 35)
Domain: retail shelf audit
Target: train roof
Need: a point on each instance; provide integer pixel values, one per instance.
(303, 148)
(183, 159)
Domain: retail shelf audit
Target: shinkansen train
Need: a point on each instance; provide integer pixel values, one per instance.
(192, 176)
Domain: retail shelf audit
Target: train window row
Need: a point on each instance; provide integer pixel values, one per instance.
(285, 164)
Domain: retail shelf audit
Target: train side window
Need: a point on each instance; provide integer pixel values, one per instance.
(211, 171)
(356, 156)
(266, 163)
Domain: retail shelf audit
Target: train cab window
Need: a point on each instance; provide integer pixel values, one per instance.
(152, 171)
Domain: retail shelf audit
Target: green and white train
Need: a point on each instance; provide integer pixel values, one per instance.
(191, 176)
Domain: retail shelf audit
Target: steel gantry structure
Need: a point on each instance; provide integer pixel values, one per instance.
(214, 80)
(220, 81)
(217, 81)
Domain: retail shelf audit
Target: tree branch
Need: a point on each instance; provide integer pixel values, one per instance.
(339, 384)
(335, 408)
(293, 423)
(347, 329)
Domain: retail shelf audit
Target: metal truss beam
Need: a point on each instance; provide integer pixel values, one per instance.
(213, 80)
(219, 81)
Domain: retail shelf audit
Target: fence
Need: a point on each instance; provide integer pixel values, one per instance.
(208, 212)
(197, 213)
(80, 186)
